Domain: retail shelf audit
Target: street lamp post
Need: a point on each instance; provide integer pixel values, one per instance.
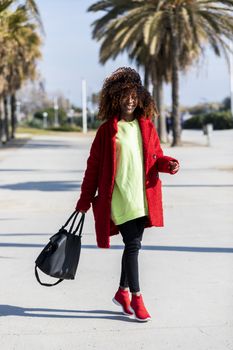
(45, 120)
(55, 106)
(84, 105)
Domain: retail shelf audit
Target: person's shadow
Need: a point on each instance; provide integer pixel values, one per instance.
(10, 310)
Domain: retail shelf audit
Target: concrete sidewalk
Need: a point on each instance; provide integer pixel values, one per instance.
(185, 267)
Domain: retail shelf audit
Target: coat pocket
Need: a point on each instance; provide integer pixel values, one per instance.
(152, 176)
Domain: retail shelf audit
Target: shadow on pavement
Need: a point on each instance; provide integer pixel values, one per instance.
(51, 186)
(145, 247)
(34, 234)
(200, 185)
(24, 234)
(15, 143)
(44, 186)
(55, 144)
(171, 248)
(10, 310)
(10, 219)
(26, 170)
(43, 170)
(48, 144)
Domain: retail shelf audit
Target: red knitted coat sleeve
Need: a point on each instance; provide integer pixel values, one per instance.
(90, 180)
(162, 161)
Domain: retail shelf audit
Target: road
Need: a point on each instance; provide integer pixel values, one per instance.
(185, 267)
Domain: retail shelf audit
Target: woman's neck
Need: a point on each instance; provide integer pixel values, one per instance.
(127, 117)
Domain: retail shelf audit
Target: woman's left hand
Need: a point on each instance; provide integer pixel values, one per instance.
(174, 166)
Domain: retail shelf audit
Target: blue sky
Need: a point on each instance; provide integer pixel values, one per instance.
(70, 55)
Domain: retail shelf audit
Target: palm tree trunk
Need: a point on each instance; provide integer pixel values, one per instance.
(1, 121)
(176, 123)
(158, 98)
(161, 120)
(6, 120)
(146, 77)
(13, 116)
(154, 95)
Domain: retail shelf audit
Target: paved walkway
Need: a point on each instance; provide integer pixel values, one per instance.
(185, 267)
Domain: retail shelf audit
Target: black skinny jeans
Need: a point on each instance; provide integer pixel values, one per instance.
(132, 232)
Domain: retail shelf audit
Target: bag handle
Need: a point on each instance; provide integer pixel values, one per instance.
(73, 222)
(81, 222)
(46, 284)
(73, 215)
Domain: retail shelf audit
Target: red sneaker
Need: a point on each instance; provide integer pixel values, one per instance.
(137, 306)
(121, 298)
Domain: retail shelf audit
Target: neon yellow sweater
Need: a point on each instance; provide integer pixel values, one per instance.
(128, 198)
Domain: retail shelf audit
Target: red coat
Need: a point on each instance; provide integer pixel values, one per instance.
(100, 175)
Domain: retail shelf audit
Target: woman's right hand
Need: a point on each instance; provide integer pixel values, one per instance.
(82, 212)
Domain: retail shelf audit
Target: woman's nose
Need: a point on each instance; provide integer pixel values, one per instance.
(130, 99)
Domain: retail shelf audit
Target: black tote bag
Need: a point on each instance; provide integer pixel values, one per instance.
(60, 257)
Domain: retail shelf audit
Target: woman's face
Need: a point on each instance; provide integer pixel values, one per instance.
(128, 102)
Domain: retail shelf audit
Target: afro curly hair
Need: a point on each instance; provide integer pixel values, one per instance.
(120, 82)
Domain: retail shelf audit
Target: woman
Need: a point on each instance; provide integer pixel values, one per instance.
(124, 164)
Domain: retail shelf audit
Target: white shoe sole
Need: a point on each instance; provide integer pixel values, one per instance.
(139, 319)
(118, 304)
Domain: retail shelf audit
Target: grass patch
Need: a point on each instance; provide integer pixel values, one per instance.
(35, 131)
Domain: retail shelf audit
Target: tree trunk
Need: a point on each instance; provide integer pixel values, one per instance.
(158, 98)
(146, 78)
(6, 119)
(162, 118)
(1, 121)
(154, 95)
(176, 123)
(13, 115)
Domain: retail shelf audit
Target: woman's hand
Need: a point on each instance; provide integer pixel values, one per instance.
(174, 166)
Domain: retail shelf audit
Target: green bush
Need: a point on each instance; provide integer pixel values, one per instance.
(37, 121)
(65, 128)
(195, 122)
(220, 120)
(95, 124)
(91, 124)
(62, 118)
(34, 123)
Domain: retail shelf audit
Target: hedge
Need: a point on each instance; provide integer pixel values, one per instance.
(220, 120)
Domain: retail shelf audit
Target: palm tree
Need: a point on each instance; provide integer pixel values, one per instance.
(20, 50)
(30, 6)
(180, 28)
(116, 37)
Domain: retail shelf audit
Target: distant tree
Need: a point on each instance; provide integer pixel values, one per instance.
(33, 97)
(226, 104)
